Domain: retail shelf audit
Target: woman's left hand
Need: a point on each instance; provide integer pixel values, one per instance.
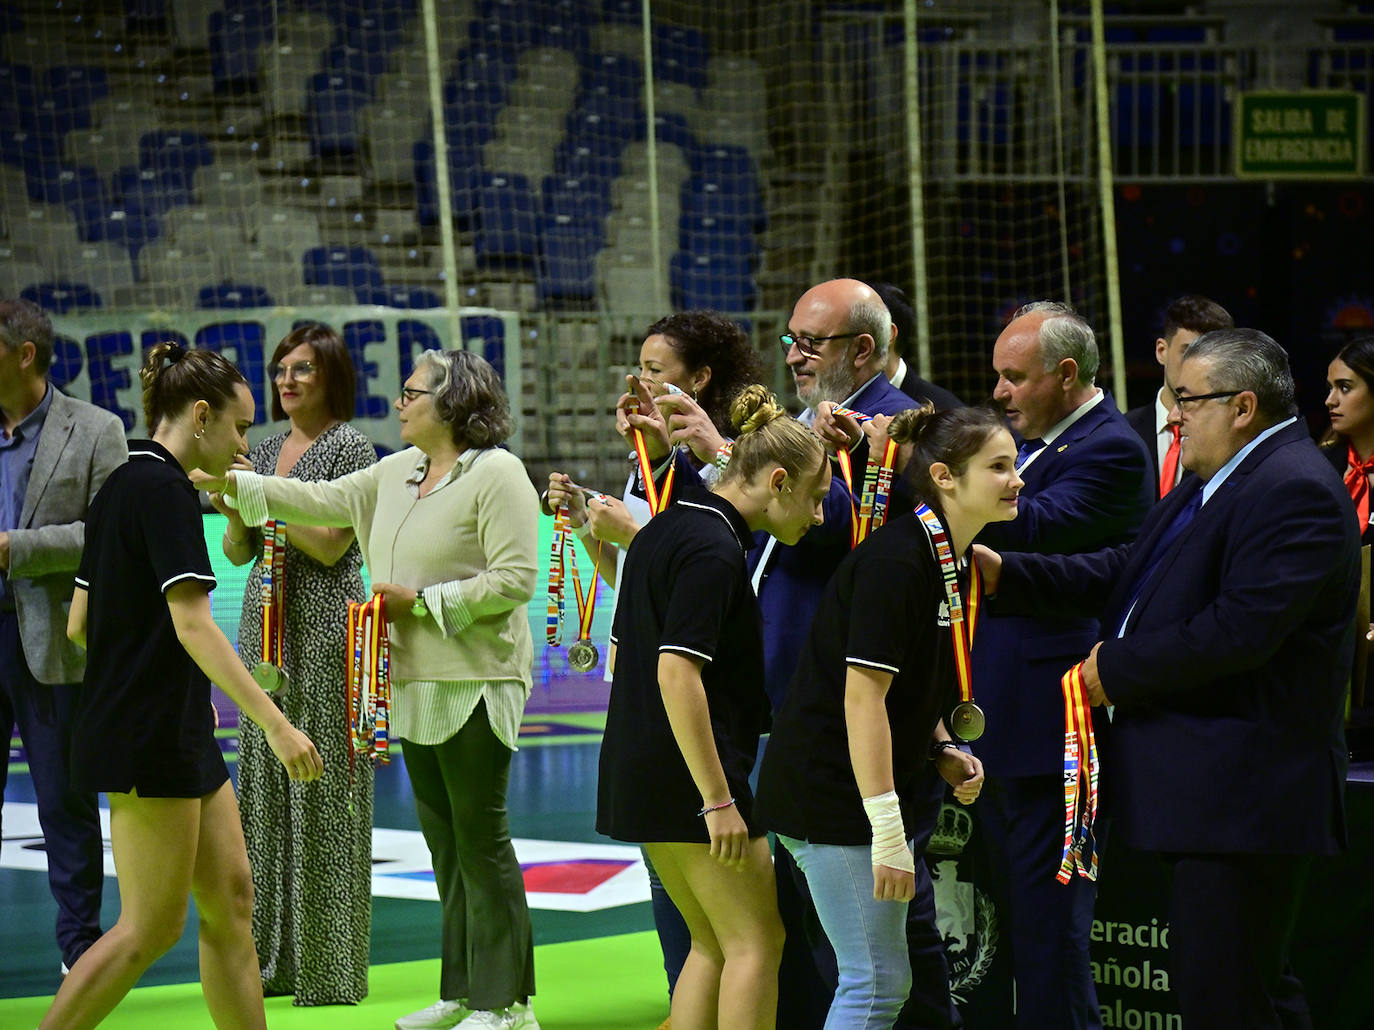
(688, 423)
(396, 600)
(963, 772)
(729, 836)
(611, 521)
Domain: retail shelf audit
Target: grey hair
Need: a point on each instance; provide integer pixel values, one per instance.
(1247, 359)
(872, 317)
(469, 396)
(22, 320)
(1065, 334)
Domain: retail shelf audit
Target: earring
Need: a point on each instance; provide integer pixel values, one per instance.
(201, 433)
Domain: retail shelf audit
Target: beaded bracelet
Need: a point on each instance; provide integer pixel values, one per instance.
(723, 454)
(716, 808)
(942, 745)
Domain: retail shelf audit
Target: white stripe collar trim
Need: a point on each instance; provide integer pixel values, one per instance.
(147, 454)
(724, 518)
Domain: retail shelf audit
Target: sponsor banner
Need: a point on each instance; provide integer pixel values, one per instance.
(97, 355)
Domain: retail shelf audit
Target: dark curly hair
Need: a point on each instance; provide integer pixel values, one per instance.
(708, 339)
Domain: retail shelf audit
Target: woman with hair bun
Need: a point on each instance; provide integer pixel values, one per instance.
(144, 725)
(687, 706)
(847, 758)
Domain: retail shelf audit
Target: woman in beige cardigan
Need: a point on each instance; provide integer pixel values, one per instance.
(449, 531)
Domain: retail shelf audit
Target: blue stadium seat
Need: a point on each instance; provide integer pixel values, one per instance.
(489, 64)
(401, 297)
(566, 271)
(506, 232)
(486, 334)
(149, 191)
(587, 199)
(725, 198)
(332, 106)
(353, 267)
(50, 182)
(712, 236)
(627, 12)
(719, 161)
(18, 89)
(236, 36)
(55, 114)
(463, 169)
(234, 295)
(680, 55)
(60, 296)
(670, 127)
(175, 152)
(613, 74)
(19, 146)
(355, 63)
(711, 281)
(127, 227)
(83, 83)
(568, 32)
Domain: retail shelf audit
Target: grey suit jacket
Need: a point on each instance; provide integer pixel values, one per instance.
(79, 447)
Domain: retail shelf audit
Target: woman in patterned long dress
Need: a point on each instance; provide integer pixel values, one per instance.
(310, 846)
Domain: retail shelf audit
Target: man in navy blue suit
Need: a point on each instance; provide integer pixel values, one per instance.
(1228, 634)
(1086, 488)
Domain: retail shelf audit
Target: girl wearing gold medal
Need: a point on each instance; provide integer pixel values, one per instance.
(866, 712)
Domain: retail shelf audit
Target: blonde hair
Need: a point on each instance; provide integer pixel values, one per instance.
(767, 436)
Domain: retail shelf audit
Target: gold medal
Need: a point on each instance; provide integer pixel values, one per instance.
(582, 655)
(966, 721)
(272, 678)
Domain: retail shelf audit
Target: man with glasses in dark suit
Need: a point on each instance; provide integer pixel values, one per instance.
(1227, 638)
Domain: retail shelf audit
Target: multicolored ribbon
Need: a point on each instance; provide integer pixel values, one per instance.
(369, 680)
(877, 485)
(561, 553)
(1080, 764)
(961, 623)
(553, 624)
(273, 591)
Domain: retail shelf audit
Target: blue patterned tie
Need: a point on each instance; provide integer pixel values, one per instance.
(1027, 448)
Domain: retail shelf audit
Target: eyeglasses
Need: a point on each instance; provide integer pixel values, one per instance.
(299, 370)
(1182, 400)
(409, 393)
(807, 344)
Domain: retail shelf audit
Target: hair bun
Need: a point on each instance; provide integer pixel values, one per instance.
(753, 408)
(907, 426)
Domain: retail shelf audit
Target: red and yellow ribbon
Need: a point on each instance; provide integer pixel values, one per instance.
(658, 499)
(1080, 781)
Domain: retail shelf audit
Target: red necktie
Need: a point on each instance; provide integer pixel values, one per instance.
(1168, 470)
(1357, 482)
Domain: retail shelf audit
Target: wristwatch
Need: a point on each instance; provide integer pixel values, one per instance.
(419, 609)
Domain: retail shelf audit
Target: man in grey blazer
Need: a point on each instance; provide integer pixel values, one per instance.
(55, 453)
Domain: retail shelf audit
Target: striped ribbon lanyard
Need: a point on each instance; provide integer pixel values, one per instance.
(563, 555)
(369, 681)
(553, 624)
(871, 513)
(1080, 765)
(273, 591)
(966, 720)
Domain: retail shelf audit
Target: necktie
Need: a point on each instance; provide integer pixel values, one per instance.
(1027, 448)
(1166, 539)
(1357, 482)
(1168, 469)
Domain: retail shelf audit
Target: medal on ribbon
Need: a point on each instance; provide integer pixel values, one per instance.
(1080, 781)
(269, 673)
(582, 653)
(368, 681)
(965, 720)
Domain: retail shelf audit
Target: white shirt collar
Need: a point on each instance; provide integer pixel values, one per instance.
(1161, 413)
(899, 377)
(1213, 484)
(1073, 416)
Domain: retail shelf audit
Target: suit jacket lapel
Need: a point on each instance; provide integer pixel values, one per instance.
(52, 441)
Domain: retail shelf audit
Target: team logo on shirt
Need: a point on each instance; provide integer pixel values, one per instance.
(942, 616)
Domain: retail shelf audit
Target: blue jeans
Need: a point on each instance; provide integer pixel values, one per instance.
(869, 936)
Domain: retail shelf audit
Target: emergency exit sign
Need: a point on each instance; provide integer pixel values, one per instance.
(1308, 135)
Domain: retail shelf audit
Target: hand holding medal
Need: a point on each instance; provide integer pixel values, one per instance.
(582, 653)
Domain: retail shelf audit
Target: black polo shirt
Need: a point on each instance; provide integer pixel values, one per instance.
(883, 609)
(684, 589)
(143, 717)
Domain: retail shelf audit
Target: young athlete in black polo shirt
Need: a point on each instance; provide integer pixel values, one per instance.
(864, 711)
(144, 726)
(687, 705)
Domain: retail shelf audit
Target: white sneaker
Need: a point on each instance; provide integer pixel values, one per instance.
(442, 1015)
(518, 1017)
